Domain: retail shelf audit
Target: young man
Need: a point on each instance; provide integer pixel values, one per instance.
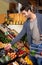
(32, 27)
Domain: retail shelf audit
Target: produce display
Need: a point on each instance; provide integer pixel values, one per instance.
(6, 34)
(29, 62)
(3, 57)
(17, 53)
(22, 61)
(2, 45)
(3, 38)
(14, 63)
(12, 55)
(15, 19)
(6, 56)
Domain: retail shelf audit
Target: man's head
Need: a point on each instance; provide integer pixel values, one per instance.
(26, 10)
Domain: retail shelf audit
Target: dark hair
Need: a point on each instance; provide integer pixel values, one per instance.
(26, 8)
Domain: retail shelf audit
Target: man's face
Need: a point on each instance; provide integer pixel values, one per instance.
(26, 13)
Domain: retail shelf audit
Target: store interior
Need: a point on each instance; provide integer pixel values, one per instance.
(11, 24)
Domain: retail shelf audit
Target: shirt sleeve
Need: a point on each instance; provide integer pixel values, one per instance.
(20, 35)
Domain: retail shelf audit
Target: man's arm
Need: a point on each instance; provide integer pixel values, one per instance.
(20, 35)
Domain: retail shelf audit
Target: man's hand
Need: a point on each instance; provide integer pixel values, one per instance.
(8, 46)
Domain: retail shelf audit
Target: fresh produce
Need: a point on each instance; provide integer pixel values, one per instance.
(20, 52)
(4, 59)
(12, 55)
(7, 55)
(28, 61)
(2, 52)
(18, 18)
(18, 45)
(15, 63)
(3, 38)
(22, 62)
(14, 46)
(26, 49)
(33, 52)
(1, 45)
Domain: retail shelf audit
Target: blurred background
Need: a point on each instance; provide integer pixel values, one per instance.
(10, 12)
(12, 4)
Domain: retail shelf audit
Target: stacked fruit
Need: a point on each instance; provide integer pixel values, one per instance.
(12, 55)
(3, 57)
(28, 61)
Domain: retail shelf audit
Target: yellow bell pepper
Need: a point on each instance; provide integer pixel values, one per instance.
(28, 61)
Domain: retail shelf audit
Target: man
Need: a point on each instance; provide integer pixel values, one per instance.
(33, 28)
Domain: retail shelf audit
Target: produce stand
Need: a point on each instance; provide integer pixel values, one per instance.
(20, 49)
(8, 62)
(19, 55)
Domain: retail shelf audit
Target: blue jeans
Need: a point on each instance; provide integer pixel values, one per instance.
(39, 60)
